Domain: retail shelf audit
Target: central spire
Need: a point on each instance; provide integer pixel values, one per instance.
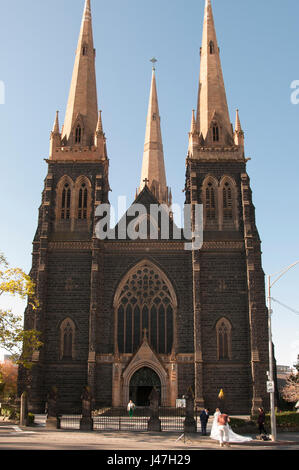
(212, 103)
(153, 169)
(82, 107)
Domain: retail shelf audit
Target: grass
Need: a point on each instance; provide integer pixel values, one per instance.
(284, 419)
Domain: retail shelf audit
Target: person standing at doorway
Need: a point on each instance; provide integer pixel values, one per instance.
(130, 408)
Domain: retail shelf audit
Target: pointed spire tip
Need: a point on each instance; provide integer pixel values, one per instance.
(154, 61)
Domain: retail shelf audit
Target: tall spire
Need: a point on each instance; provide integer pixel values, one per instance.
(82, 107)
(153, 168)
(212, 102)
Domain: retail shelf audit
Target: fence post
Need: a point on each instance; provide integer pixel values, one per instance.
(154, 423)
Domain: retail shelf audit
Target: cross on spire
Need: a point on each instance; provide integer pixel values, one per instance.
(145, 333)
(154, 60)
(145, 181)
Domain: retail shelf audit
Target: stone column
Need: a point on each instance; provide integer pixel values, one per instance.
(94, 306)
(258, 317)
(154, 423)
(52, 408)
(86, 423)
(189, 423)
(24, 409)
(197, 310)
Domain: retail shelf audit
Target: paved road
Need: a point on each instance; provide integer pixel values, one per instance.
(13, 437)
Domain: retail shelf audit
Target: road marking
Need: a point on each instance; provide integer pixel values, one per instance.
(16, 430)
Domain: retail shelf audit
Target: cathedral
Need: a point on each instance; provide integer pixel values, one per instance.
(123, 315)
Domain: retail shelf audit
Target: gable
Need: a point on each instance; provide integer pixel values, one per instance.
(147, 218)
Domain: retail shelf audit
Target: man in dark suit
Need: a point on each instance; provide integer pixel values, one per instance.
(204, 418)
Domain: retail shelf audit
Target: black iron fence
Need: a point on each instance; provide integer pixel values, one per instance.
(172, 419)
(118, 419)
(69, 421)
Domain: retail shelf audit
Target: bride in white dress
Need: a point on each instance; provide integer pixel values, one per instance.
(233, 437)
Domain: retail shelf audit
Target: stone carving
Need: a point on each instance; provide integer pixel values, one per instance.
(154, 423)
(86, 422)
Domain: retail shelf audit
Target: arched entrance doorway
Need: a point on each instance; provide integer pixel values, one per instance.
(141, 385)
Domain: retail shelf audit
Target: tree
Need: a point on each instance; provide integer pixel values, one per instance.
(8, 377)
(290, 391)
(20, 343)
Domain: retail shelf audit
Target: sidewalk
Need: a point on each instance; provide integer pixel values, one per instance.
(14, 437)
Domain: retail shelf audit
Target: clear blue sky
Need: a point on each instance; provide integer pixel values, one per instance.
(259, 45)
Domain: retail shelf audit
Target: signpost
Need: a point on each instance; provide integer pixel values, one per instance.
(270, 386)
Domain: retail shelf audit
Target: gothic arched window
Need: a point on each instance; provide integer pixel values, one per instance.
(78, 134)
(210, 203)
(227, 202)
(215, 133)
(82, 202)
(223, 332)
(212, 47)
(67, 339)
(66, 202)
(210, 198)
(145, 306)
(82, 198)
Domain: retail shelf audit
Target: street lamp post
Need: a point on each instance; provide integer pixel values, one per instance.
(271, 374)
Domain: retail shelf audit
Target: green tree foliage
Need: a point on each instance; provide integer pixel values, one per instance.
(18, 342)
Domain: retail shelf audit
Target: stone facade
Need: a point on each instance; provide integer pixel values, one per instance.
(112, 308)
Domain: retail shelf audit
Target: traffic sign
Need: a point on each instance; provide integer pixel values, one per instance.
(270, 386)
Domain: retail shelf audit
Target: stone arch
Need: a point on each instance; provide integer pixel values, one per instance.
(67, 338)
(228, 203)
(64, 203)
(134, 367)
(210, 200)
(224, 339)
(145, 300)
(140, 264)
(83, 198)
(77, 136)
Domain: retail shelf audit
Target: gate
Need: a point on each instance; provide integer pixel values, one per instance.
(118, 419)
(172, 419)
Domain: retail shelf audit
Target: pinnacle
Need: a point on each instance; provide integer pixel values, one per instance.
(56, 124)
(100, 123)
(238, 127)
